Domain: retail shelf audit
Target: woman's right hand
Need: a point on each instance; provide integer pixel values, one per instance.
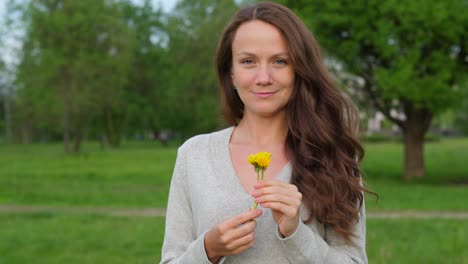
(231, 237)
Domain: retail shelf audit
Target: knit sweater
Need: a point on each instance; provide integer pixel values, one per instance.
(205, 190)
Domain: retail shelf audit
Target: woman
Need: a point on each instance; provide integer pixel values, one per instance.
(279, 98)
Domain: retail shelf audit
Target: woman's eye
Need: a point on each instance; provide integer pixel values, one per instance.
(281, 62)
(247, 61)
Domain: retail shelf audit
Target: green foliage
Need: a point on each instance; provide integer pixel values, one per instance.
(411, 54)
(74, 65)
(412, 49)
(461, 119)
(192, 87)
(106, 69)
(144, 92)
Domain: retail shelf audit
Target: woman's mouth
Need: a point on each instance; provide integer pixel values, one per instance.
(264, 94)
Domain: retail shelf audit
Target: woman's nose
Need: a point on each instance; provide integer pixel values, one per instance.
(263, 76)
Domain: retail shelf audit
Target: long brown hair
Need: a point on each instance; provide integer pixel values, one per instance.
(322, 123)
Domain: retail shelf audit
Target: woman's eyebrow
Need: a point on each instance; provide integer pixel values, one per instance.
(253, 54)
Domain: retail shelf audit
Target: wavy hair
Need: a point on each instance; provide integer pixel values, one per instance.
(322, 122)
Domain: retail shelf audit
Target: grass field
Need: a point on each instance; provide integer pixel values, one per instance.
(55, 238)
(138, 175)
(135, 176)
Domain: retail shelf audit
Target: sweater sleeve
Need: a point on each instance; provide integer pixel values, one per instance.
(181, 244)
(307, 246)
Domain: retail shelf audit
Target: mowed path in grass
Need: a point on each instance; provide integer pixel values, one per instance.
(161, 212)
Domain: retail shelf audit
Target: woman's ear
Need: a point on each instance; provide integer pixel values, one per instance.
(233, 82)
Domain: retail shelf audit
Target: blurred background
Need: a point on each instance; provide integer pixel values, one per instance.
(96, 96)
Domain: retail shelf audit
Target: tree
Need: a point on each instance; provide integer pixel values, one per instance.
(145, 89)
(411, 54)
(191, 87)
(75, 57)
(7, 26)
(461, 115)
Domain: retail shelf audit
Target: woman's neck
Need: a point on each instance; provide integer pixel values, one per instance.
(260, 131)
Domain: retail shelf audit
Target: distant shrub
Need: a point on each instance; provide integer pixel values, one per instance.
(380, 138)
(430, 137)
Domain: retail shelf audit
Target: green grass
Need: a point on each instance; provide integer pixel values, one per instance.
(417, 241)
(445, 163)
(60, 238)
(138, 175)
(398, 196)
(57, 238)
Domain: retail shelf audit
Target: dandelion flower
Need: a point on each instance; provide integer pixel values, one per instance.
(260, 161)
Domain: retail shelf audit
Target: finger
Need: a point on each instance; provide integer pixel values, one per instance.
(243, 218)
(288, 211)
(279, 198)
(278, 184)
(282, 190)
(239, 232)
(272, 182)
(241, 242)
(243, 230)
(242, 248)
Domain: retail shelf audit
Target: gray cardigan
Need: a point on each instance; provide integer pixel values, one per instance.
(205, 190)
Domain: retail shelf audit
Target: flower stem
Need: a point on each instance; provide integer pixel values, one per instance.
(260, 174)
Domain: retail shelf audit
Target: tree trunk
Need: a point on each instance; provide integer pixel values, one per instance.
(104, 141)
(417, 123)
(414, 154)
(78, 139)
(26, 134)
(66, 115)
(66, 129)
(7, 106)
(113, 118)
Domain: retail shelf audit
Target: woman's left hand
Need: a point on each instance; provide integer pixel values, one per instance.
(283, 199)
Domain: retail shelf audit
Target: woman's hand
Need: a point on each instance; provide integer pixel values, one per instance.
(232, 236)
(284, 200)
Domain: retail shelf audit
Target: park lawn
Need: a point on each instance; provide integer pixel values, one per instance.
(60, 238)
(438, 190)
(428, 241)
(445, 161)
(138, 175)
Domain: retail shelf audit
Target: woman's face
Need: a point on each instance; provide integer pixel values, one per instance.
(261, 68)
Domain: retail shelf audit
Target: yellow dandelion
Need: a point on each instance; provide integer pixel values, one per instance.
(263, 159)
(260, 161)
(252, 159)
